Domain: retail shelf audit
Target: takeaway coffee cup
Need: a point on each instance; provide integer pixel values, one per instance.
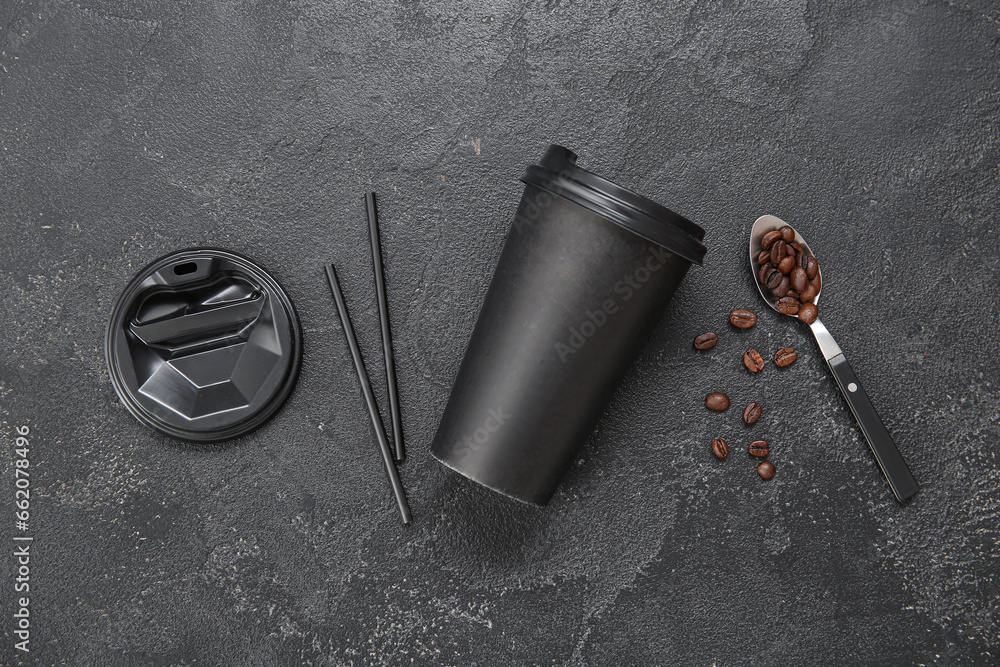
(584, 276)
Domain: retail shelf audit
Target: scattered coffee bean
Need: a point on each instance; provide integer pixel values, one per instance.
(720, 448)
(808, 313)
(766, 469)
(717, 401)
(742, 318)
(753, 361)
(786, 355)
(768, 239)
(705, 340)
(787, 305)
(792, 276)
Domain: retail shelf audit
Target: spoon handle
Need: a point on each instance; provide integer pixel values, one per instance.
(901, 480)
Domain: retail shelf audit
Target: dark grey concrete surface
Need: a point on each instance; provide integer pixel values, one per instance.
(130, 129)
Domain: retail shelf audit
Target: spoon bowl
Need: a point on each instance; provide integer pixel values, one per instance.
(762, 226)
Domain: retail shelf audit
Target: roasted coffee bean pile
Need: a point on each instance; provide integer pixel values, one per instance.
(790, 273)
(741, 318)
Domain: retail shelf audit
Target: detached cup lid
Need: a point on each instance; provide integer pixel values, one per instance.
(203, 345)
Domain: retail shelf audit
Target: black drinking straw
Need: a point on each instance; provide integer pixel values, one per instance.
(366, 389)
(383, 318)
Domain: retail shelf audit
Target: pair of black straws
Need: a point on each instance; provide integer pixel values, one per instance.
(389, 455)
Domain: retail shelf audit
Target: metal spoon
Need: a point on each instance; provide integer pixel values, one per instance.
(888, 457)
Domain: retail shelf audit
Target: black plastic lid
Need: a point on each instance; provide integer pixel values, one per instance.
(203, 345)
(557, 172)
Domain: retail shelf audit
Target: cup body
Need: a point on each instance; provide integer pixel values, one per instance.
(572, 300)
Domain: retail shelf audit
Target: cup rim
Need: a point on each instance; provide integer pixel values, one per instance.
(558, 173)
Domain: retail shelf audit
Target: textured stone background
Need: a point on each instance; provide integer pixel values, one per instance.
(130, 129)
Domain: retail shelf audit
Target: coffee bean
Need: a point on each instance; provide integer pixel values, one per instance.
(808, 313)
(705, 340)
(786, 265)
(720, 448)
(763, 257)
(753, 361)
(812, 267)
(765, 273)
(785, 356)
(798, 279)
(742, 318)
(751, 413)
(765, 469)
(793, 294)
(787, 305)
(717, 401)
(777, 251)
(787, 234)
(782, 288)
(817, 282)
(759, 448)
(808, 294)
(797, 247)
(768, 239)
(773, 278)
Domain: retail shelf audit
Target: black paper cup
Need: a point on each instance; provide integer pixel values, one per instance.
(584, 276)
